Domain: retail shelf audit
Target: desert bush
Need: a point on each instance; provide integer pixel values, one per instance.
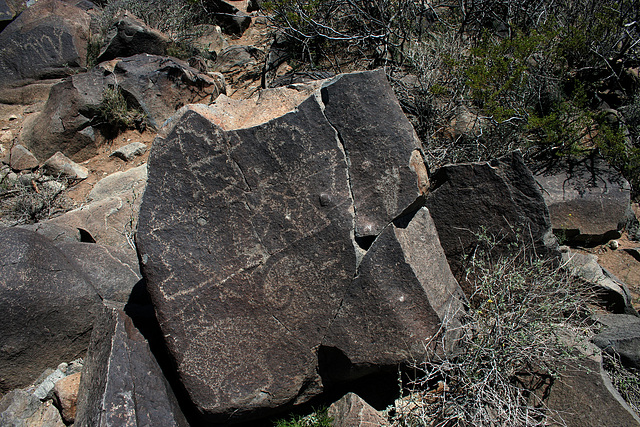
(625, 379)
(23, 203)
(511, 345)
(115, 113)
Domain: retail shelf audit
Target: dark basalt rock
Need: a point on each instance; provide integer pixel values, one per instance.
(247, 238)
(48, 40)
(47, 305)
(129, 36)
(588, 200)
(499, 199)
(121, 380)
(157, 86)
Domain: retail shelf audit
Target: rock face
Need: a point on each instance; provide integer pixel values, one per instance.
(41, 325)
(589, 201)
(112, 215)
(122, 381)
(584, 396)
(157, 86)
(129, 36)
(247, 237)
(621, 337)
(21, 408)
(19, 158)
(47, 41)
(498, 198)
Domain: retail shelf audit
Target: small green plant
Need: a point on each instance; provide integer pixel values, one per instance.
(625, 379)
(318, 418)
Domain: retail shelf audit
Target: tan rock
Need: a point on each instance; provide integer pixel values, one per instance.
(352, 411)
(66, 394)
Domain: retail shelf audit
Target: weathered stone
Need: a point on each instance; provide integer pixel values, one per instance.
(247, 229)
(44, 390)
(130, 151)
(621, 337)
(66, 396)
(21, 408)
(130, 36)
(385, 180)
(384, 317)
(41, 325)
(55, 233)
(61, 165)
(112, 216)
(47, 40)
(498, 198)
(6, 137)
(589, 201)
(6, 14)
(240, 63)
(225, 14)
(583, 396)
(19, 158)
(122, 381)
(352, 411)
(613, 293)
(158, 86)
(112, 271)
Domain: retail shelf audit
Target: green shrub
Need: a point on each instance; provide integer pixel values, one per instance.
(318, 418)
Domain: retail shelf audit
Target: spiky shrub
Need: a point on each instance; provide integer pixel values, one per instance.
(511, 346)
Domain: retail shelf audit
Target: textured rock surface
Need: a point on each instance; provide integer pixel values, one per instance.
(621, 337)
(352, 411)
(48, 40)
(61, 165)
(232, 20)
(498, 198)
(613, 293)
(589, 201)
(130, 151)
(21, 408)
(122, 381)
(41, 325)
(583, 396)
(112, 272)
(19, 158)
(66, 395)
(384, 316)
(111, 217)
(156, 85)
(247, 242)
(130, 36)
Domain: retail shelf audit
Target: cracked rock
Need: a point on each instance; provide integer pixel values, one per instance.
(249, 243)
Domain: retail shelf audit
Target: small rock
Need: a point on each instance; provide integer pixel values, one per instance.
(20, 408)
(45, 389)
(351, 411)
(59, 164)
(13, 117)
(19, 158)
(6, 136)
(66, 396)
(129, 151)
(614, 244)
(613, 292)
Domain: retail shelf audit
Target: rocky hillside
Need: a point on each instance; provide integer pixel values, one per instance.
(197, 230)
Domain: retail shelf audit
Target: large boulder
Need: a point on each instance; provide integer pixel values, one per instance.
(621, 338)
(130, 36)
(121, 380)
(249, 244)
(46, 41)
(156, 86)
(498, 200)
(588, 200)
(47, 305)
